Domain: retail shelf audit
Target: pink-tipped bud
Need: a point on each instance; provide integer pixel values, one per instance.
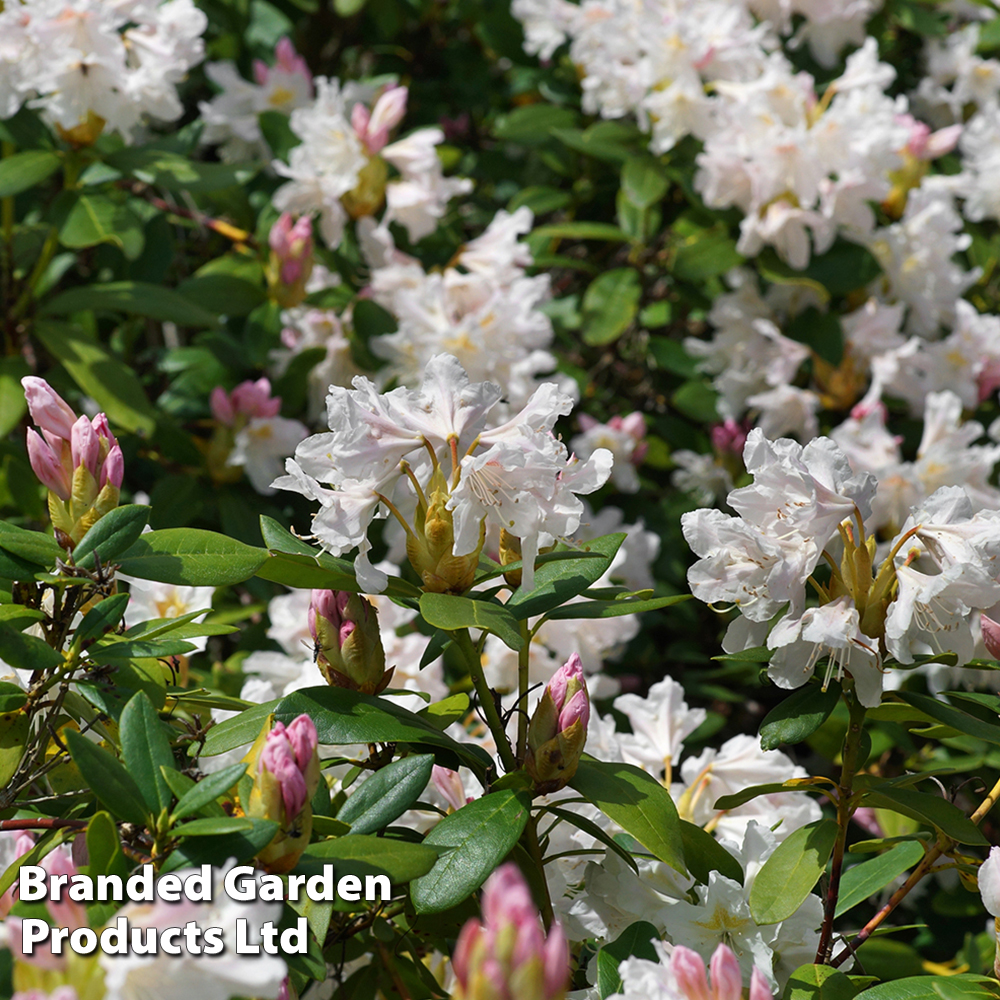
(49, 411)
(507, 956)
(727, 980)
(728, 438)
(344, 627)
(254, 399)
(759, 990)
(292, 243)
(85, 446)
(48, 467)
(991, 635)
(387, 113)
(988, 380)
(923, 144)
(290, 62)
(689, 971)
(286, 991)
(222, 407)
(557, 731)
(113, 469)
(449, 784)
(286, 776)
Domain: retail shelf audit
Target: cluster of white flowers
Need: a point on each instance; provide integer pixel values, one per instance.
(90, 65)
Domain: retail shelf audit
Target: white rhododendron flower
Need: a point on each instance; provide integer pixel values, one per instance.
(523, 479)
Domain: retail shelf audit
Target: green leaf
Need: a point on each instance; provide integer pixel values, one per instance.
(643, 181)
(24, 170)
(26, 652)
(818, 982)
(532, 124)
(14, 728)
(111, 535)
(115, 650)
(100, 375)
(35, 546)
(703, 854)
(581, 231)
(614, 609)
(104, 851)
(450, 612)
(798, 716)
(610, 141)
(13, 404)
(557, 582)
(931, 988)
(177, 173)
(697, 400)
(635, 941)
(927, 808)
(139, 297)
(482, 834)
(344, 717)
(789, 874)
(862, 881)
(213, 826)
(610, 304)
(145, 749)
(387, 794)
(101, 618)
(843, 268)
(705, 254)
(208, 790)
(820, 331)
(946, 714)
(91, 218)
(12, 697)
(191, 557)
(108, 780)
(242, 846)
(637, 802)
(356, 854)
(223, 294)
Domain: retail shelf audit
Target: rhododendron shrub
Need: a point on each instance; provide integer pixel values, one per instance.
(540, 456)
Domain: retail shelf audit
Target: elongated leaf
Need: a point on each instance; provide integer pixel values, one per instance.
(191, 557)
(104, 851)
(703, 854)
(387, 794)
(35, 546)
(109, 781)
(243, 845)
(139, 297)
(610, 304)
(177, 173)
(790, 873)
(101, 375)
(792, 785)
(481, 834)
(581, 231)
(145, 749)
(101, 618)
(931, 988)
(111, 535)
(355, 854)
(637, 802)
(12, 697)
(927, 808)
(948, 715)
(798, 716)
(862, 881)
(208, 790)
(14, 728)
(24, 170)
(450, 612)
(557, 582)
(614, 609)
(87, 218)
(114, 650)
(635, 941)
(592, 829)
(26, 652)
(644, 181)
(213, 826)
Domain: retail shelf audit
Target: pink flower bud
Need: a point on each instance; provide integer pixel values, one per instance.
(507, 955)
(46, 465)
(222, 408)
(64, 911)
(729, 437)
(261, 71)
(449, 784)
(759, 990)
(48, 409)
(301, 733)
(989, 379)
(113, 469)
(254, 399)
(85, 445)
(727, 980)
(387, 113)
(349, 650)
(557, 730)
(292, 244)
(568, 688)
(689, 971)
(280, 757)
(991, 635)
(289, 61)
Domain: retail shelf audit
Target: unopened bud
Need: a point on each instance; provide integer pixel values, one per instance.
(291, 260)
(49, 411)
(557, 731)
(286, 777)
(430, 545)
(727, 980)
(344, 627)
(507, 955)
(991, 635)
